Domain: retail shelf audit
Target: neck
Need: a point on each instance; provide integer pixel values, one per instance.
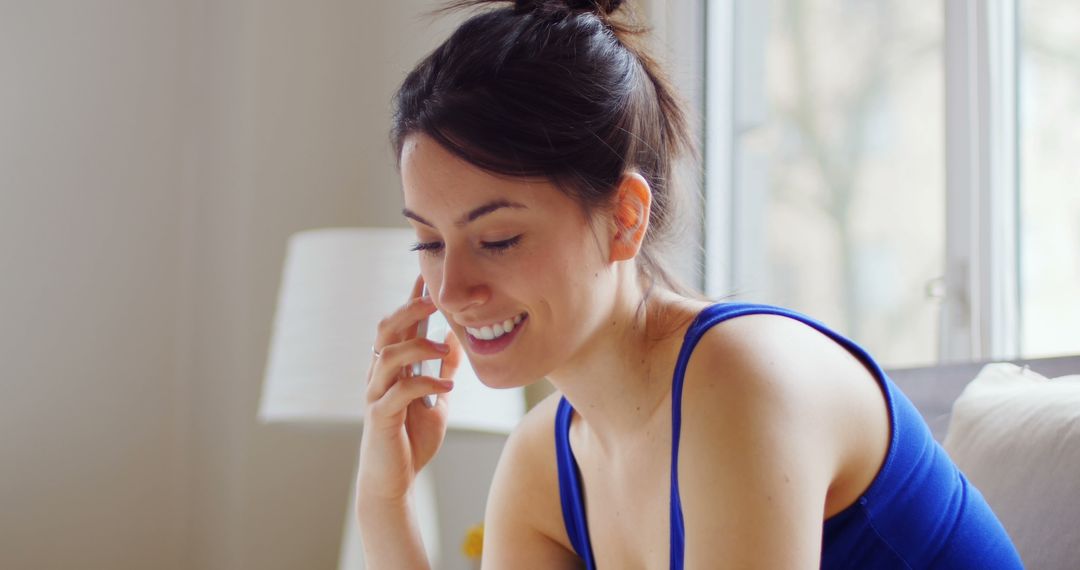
(621, 378)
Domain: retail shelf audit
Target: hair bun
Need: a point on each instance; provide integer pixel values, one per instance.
(602, 6)
(599, 7)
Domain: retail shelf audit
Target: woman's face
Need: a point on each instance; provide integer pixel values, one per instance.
(515, 253)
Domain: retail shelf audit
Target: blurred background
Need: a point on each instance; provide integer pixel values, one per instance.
(904, 172)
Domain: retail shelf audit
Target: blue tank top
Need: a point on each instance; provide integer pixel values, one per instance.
(918, 512)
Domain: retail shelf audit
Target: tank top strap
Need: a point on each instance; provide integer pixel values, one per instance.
(570, 492)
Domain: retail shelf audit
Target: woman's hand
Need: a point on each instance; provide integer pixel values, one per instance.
(400, 434)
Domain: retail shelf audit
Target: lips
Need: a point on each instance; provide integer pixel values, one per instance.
(495, 345)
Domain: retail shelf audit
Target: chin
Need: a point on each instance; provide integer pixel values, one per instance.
(503, 385)
(500, 379)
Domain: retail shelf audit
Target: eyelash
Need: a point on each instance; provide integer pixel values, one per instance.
(493, 247)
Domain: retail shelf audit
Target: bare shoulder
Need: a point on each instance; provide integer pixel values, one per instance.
(764, 375)
(781, 425)
(782, 359)
(523, 522)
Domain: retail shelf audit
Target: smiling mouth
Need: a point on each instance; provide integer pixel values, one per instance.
(478, 344)
(496, 330)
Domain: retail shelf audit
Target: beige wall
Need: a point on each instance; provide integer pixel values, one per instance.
(92, 437)
(154, 158)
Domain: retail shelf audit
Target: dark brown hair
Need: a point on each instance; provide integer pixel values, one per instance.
(558, 89)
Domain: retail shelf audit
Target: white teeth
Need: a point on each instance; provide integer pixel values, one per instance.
(494, 331)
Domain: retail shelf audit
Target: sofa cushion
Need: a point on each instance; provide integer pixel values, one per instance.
(1016, 436)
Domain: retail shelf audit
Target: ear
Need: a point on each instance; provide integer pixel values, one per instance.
(630, 215)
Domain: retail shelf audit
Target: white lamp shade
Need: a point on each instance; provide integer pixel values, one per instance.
(337, 284)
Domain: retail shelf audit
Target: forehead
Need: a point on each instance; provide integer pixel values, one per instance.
(433, 177)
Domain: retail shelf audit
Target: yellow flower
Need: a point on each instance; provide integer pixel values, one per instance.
(474, 541)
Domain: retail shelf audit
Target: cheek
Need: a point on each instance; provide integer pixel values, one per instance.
(564, 280)
(576, 261)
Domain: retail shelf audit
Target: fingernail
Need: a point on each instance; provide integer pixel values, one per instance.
(448, 384)
(426, 300)
(442, 347)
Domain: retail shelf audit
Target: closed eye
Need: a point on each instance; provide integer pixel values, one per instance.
(501, 246)
(495, 247)
(431, 247)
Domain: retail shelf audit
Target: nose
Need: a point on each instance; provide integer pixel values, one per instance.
(463, 285)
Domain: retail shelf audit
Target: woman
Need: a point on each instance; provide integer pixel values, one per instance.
(536, 147)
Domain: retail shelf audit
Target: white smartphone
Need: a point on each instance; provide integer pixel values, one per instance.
(428, 367)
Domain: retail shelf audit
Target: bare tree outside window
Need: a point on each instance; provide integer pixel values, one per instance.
(846, 167)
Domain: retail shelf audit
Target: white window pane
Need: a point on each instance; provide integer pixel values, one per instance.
(1050, 177)
(839, 185)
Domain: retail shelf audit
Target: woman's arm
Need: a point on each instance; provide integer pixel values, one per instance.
(762, 443)
(389, 534)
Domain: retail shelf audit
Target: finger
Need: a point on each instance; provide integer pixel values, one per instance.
(418, 287)
(418, 404)
(401, 324)
(403, 392)
(452, 360)
(417, 291)
(388, 369)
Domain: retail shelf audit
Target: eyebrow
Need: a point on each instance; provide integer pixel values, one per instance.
(472, 215)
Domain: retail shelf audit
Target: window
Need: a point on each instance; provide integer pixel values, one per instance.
(863, 167)
(1050, 177)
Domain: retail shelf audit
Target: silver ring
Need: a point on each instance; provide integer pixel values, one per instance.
(375, 352)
